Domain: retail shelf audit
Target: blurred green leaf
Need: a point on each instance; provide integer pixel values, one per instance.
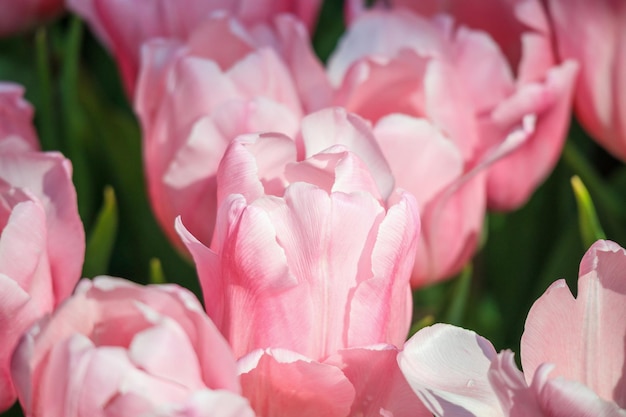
(425, 321)
(157, 276)
(102, 237)
(457, 305)
(590, 228)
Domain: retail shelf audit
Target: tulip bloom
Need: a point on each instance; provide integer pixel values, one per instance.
(594, 34)
(117, 348)
(42, 245)
(193, 99)
(503, 72)
(19, 15)
(123, 26)
(331, 295)
(572, 352)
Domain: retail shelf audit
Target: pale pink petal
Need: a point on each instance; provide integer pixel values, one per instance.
(373, 318)
(16, 119)
(48, 177)
(422, 159)
(23, 253)
(153, 349)
(335, 126)
(281, 383)
(560, 397)
(448, 367)
(549, 104)
(516, 398)
(381, 35)
(293, 44)
(583, 336)
(380, 387)
(335, 169)
(17, 312)
(451, 227)
(254, 165)
(205, 403)
(595, 36)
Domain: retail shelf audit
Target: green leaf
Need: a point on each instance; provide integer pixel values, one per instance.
(102, 237)
(157, 276)
(425, 321)
(455, 312)
(590, 228)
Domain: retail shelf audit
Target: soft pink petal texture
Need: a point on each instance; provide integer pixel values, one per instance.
(207, 403)
(521, 29)
(447, 367)
(584, 337)
(108, 351)
(594, 35)
(204, 99)
(451, 227)
(398, 62)
(482, 81)
(516, 398)
(427, 164)
(16, 119)
(335, 126)
(282, 383)
(380, 387)
(47, 176)
(17, 312)
(423, 160)
(20, 15)
(123, 25)
(41, 245)
(253, 165)
(560, 397)
(549, 105)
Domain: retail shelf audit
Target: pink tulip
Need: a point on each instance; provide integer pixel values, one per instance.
(499, 75)
(42, 244)
(331, 293)
(193, 99)
(16, 120)
(573, 352)
(20, 15)
(116, 348)
(124, 25)
(594, 34)
(325, 227)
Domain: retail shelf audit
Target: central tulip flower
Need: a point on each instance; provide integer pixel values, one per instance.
(193, 99)
(116, 348)
(572, 351)
(308, 272)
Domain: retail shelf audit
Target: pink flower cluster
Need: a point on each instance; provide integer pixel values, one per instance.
(312, 199)
(467, 114)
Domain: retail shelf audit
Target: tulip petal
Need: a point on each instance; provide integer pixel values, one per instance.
(447, 367)
(583, 336)
(281, 383)
(381, 389)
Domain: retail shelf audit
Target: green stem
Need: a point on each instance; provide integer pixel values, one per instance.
(47, 135)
